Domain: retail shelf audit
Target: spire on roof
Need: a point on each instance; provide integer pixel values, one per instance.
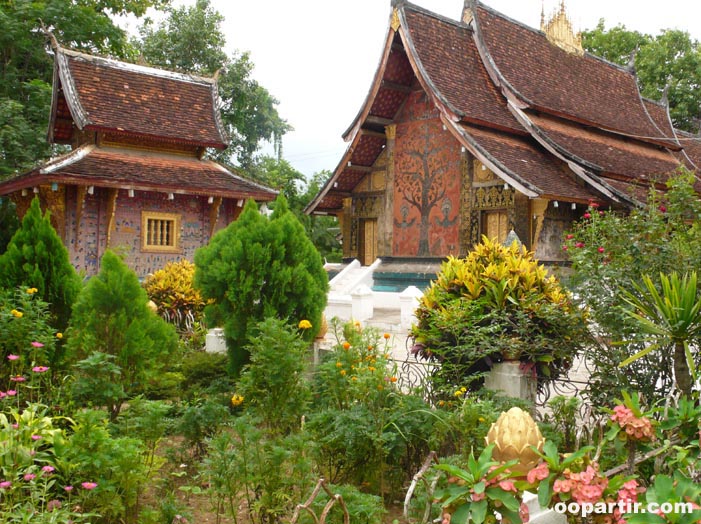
(559, 31)
(468, 12)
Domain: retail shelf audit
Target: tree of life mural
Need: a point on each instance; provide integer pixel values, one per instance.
(425, 162)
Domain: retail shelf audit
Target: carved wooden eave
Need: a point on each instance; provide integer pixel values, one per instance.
(54, 198)
(560, 32)
(214, 215)
(538, 207)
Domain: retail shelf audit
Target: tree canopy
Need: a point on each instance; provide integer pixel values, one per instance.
(26, 68)
(667, 65)
(191, 40)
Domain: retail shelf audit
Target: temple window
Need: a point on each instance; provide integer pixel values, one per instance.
(160, 232)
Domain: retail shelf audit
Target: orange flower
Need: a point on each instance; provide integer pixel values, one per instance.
(387, 336)
(346, 345)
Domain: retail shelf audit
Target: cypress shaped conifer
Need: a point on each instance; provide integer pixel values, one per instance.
(258, 268)
(36, 257)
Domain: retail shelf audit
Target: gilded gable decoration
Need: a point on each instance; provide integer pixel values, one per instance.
(395, 23)
(560, 32)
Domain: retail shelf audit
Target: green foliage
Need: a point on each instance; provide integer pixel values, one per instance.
(24, 318)
(273, 383)
(671, 316)
(8, 218)
(25, 77)
(497, 304)
(202, 369)
(680, 492)
(200, 421)
(191, 40)
(479, 490)
(364, 431)
(257, 268)
(37, 258)
(112, 316)
(171, 289)
(668, 64)
(363, 508)
(269, 474)
(609, 252)
(99, 382)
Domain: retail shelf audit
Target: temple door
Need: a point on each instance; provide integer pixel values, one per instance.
(367, 245)
(496, 225)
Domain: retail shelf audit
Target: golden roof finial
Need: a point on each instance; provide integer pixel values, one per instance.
(559, 31)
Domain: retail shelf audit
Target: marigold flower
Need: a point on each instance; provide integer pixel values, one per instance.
(339, 365)
(12, 357)
(32, 290)
(386, 336)
(343, 372)
(16, 314)
(59, 335)
(346, 345)
(89, 485)
(236, 400)
(393, 379)
(305, 324)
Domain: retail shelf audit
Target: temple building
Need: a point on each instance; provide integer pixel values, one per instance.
(485, 126)
(136, 178)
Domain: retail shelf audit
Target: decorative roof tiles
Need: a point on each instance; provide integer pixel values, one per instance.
(104, 94)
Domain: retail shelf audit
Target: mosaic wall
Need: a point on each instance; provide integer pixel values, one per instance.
(87, 247)
(427, 184)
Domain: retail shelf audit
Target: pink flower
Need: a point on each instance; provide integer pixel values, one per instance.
(17, 378)
(2, 394)
(15, 426)
(68, 489)
(579, 244)
(508, 485)
(662, 208)
(89, 485)
(11, 392)
(36, 437)
(37, 344)
(12, 357)
(569, 237)
(565, 248)
(540, 472)
(48, 469)
(53, 504)
(29, 476)
(562, 486)
(40, 369)
(5, 484)
(601, 250)
(587, 215)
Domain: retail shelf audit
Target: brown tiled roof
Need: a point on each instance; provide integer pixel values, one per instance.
(545, 77)
(610, 153)
(692, 148)
(110, 95)
(113, 167)
(452, 63)
(522, 156)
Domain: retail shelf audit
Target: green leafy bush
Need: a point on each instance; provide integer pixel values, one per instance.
(37, 258)
(258, 268)
(112, 317)
(496, 304)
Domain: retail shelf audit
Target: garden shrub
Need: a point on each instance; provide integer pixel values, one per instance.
(272, 384)
(111, 317)
(37, 258)
(257, 268)
(363, 508)
(205, 371)
(172, 290)
(610, 252)
(496, 304)
(201, 420)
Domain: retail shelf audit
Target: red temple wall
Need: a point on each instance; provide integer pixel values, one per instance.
(427, 183)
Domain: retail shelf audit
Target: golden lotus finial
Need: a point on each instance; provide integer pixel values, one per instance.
(513, 434)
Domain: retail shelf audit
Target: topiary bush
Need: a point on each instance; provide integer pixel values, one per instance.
(494, 305)
(258, 268)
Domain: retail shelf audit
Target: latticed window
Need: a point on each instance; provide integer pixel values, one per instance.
(160, 231)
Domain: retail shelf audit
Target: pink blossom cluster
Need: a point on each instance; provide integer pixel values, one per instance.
(635, 428)
(584, 487)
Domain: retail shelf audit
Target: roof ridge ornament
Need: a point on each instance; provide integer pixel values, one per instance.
(559, 31)
(468, 12)
(395, 23)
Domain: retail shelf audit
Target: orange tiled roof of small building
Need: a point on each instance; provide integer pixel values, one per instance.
(152, 171)
(105, 94)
